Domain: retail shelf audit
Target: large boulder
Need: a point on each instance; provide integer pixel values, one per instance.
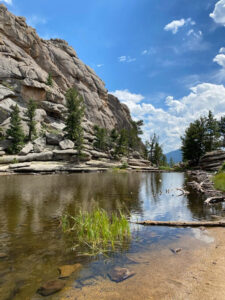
(66, 144)
(212, 161)
(27, 149)
(39, 144)
(53, 139)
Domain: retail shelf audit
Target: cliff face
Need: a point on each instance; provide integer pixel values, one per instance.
(25, 62)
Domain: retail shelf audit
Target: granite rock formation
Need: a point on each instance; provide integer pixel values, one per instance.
(26, 60)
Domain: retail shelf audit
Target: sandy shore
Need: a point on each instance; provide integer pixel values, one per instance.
(197, 272)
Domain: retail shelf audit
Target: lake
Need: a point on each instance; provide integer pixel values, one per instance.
(31, 236)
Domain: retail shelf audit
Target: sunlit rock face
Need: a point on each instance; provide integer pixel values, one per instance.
(26, 61)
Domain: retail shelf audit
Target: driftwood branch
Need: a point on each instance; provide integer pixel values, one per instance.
(197, 186)
(215, 199)
(184, 192)
(183, 223)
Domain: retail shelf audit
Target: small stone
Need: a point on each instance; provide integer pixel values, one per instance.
(176, 250)
(3, 255)
(27, 149)
(67, 270)
(119, 274)
(51, 287)
(2, 153)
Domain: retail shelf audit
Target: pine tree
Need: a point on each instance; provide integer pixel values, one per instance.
(212, 133)
(30, 118)
(49, 80)
(158, 154)
(193, 141)
(122, 145)
(15, 131)
(75, 114)
(222, 130)
(101, 138)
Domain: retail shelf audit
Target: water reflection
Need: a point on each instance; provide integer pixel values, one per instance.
(31, 205)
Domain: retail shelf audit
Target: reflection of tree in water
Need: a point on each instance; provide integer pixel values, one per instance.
(156, 185)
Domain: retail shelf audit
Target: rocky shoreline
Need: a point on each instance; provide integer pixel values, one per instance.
(201, 182)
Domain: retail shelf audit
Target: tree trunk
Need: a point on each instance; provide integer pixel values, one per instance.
(182, 223)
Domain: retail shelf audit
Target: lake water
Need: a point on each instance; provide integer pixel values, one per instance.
(30, 235)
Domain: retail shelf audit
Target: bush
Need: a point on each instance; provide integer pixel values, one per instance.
(219, 181)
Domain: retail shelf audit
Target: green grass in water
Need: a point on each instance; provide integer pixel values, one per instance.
(97, 231)
(219, 181)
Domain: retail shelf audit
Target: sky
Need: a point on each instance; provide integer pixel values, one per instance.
(164, 59)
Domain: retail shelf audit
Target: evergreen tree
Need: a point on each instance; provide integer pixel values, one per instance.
(15, 131)
(193, 141)
(164, 161)
(212, 133)
(114, 135)
(101, 138)
(49, 80)
(133, 136)
(122, 145)
(158, 154)
(152, 143)
(222, 130)
(75, 114)
(30, 118)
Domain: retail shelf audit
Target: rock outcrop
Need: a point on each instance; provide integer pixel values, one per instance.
(212, 161)
(26, 61)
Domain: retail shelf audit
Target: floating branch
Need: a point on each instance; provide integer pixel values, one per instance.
(183, 223)
(213, 200)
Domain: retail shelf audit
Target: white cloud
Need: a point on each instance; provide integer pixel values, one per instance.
(170, 122)
(125, 58)
(219, 76)
(144, 52)
(100, 65)
(218, 15)
(35, 20)
(175, 25)
(126, 96)
(7, 1)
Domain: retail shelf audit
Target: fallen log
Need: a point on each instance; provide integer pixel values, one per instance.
(196, 186)
(183, 223)
(215, 199)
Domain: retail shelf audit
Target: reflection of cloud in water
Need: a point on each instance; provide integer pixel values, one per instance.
(158, 203)
(202, 236)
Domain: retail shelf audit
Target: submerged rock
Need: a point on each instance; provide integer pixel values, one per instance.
(176, 250)
(119, 274)
(51, 287)
(67, 270)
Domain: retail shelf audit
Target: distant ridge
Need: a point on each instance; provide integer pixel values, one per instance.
(176, 155)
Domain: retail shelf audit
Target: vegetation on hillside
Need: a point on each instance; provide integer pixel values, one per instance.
(15, 132)
(30, 119)
(75, 114)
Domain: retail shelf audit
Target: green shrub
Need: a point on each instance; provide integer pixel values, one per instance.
(219, 181)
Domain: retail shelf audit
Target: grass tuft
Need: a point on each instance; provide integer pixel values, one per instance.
(219, 181)
(97, 231)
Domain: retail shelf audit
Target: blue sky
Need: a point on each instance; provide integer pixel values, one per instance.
(164, 59)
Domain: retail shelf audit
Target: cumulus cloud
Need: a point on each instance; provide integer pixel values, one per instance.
(127, 96)
(7, 1)
(220, 60)
(175, 25)
(125, 58)
(171, 121)
(218, 15)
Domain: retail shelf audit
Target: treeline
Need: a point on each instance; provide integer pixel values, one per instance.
(205, 134)
(154, 153)
(121, 142)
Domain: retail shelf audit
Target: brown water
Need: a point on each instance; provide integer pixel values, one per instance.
(30, 208)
